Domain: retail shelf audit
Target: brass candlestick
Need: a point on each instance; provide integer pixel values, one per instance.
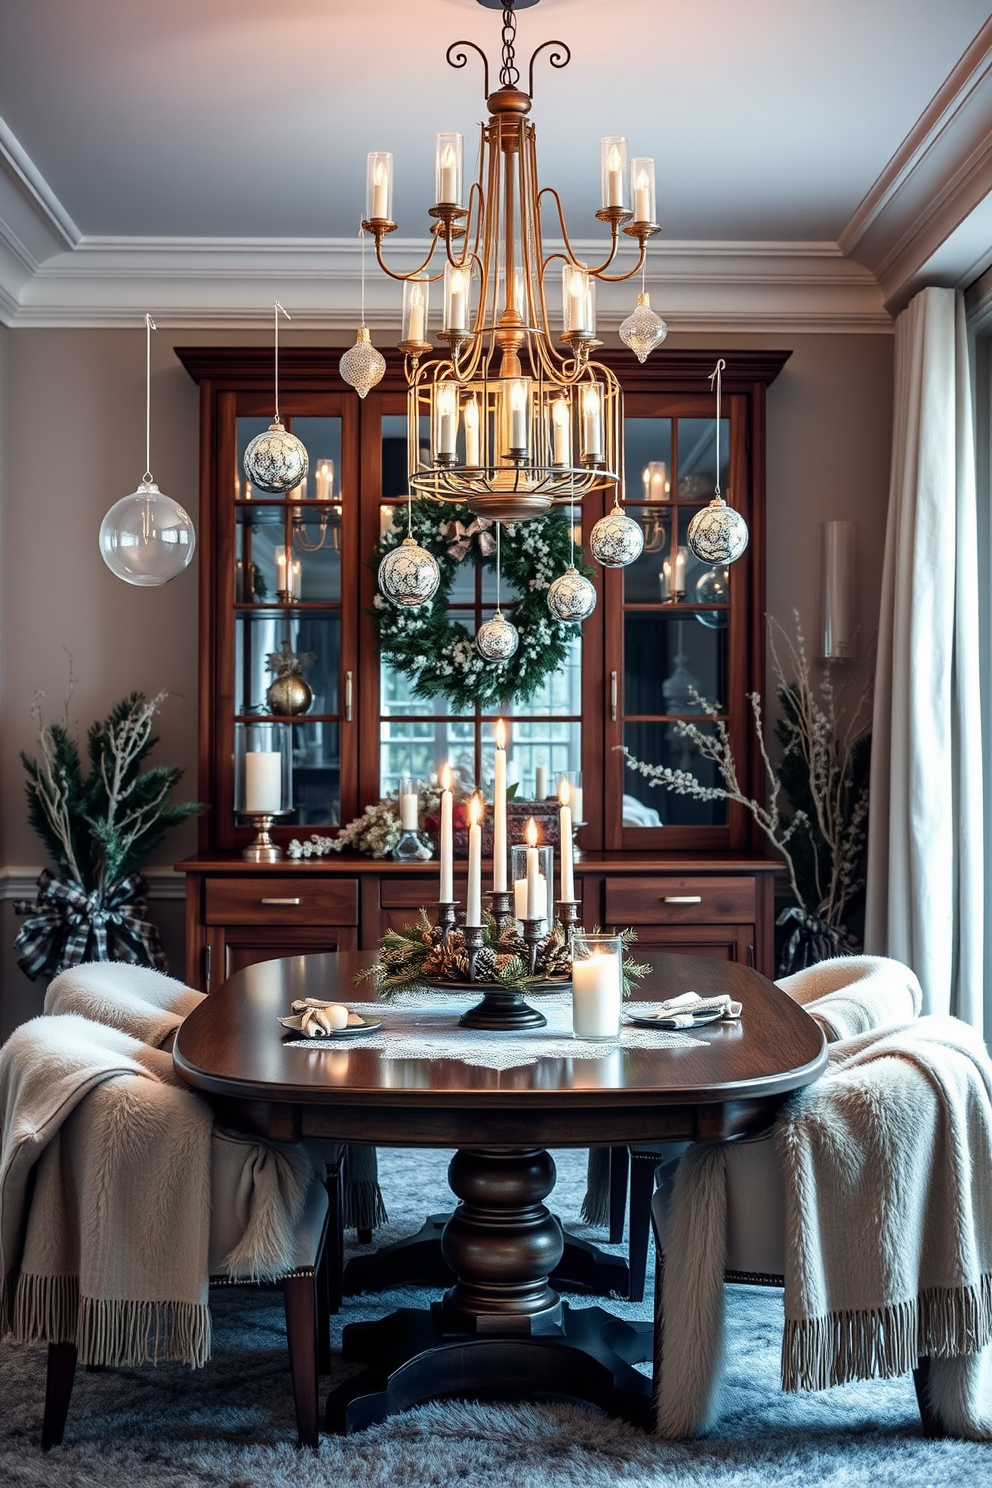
(263, 849)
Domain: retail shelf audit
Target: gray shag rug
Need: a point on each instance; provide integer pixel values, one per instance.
(232, 1423)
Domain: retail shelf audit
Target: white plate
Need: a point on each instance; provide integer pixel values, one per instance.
(295, 1024)
(698, 1019)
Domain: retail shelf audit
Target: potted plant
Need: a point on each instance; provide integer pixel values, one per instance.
(99, 823)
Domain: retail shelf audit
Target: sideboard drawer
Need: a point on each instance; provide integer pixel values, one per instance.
(680, 901)
(414, 893)
(281, 901)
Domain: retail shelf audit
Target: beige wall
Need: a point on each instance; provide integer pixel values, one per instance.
(74, 414)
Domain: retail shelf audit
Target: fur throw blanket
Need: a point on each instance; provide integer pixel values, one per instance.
(136, 999)
(850, 995)
(105, 1163)
(887, 1167)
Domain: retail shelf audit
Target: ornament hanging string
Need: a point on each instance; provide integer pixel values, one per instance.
(498, 526)
(716, 374)
(276, 308)
(361, 235)
(149, 327)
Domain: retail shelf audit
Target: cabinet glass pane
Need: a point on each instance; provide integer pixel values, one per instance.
(317, 774)
(647, 440)
(671, 660)
(322, 438)
(644, 579)
(696, 460)
(313, 538)
(647, 805)
(261, 632)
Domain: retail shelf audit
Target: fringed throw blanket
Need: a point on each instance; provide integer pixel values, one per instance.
(887, 1167)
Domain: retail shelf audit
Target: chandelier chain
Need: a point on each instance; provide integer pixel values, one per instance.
(149, 327)
(509, 73)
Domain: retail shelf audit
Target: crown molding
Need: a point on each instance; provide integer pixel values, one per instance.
(940, 173)
(230, 284)
(22, 185)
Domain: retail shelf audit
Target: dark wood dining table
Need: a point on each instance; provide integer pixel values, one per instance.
(501, 1329)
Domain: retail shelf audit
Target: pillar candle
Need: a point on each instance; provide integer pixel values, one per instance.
(540, 782)
(499, 811)
(520, 892)
(446, 893)
(409, 814)
(473, 902)
(596, 996)
(263, 780)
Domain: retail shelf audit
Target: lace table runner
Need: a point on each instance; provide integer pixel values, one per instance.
(420, 1026)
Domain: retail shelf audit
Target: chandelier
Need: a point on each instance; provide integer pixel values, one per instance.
(516, 422)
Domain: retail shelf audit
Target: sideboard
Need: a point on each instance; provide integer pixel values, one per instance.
(238, 913)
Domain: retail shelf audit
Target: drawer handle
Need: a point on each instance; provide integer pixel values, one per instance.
(282, 901)
(614, 697)
(683, 898)
(347, 696)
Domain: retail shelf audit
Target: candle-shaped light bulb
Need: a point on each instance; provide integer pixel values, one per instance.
(561, 429)
(415, 330)
(448, 174)
(592, 423)
(616, 178)
(324, 480)
(447, 418)
(456, 298)
(643, 190)
(471, 419)
(519, 399)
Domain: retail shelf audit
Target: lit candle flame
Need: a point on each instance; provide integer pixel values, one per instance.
(530, 832)
(448, 158)
(379, 173)
(476, 810)
(500, 734)
(564, 792)
(445, 776)
(615, 161)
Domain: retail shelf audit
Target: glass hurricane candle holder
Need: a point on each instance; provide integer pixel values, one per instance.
(531, 901)
(379, 186)
(263, 782)
(596, 985)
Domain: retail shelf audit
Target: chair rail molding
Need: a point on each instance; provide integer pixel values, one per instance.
(935, 179)
(163, 882)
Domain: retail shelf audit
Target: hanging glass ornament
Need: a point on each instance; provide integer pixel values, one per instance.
(713, 588)
(616, 540)
(497, 639)
(146, 538)
(409, 574)
(276, 461)
(718, 533)
(362, 366)
(642, 331)
(571, 597)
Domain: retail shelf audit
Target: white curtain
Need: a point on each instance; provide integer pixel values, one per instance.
(925, 847)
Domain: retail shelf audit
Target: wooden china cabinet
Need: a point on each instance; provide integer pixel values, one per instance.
(689, 875)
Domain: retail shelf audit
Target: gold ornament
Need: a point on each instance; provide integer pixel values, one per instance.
(290, 694)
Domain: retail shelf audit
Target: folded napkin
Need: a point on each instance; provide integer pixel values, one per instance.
(682, 1011)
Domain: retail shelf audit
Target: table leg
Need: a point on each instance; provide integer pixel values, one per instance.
(501, 1330)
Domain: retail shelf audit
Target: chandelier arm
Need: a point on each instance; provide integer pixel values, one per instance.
(475, 193)
(572, 257)
(619, 278)
(556, 59)
(458, 59)
(393, 274)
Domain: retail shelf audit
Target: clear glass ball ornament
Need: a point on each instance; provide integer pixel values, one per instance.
(718, 533)
(713, 588)
(276, 460)
(642, 331)
(497, 639)
(616, 540)
(362, 365)
(409, 575)
(571, 596)
(147, 538)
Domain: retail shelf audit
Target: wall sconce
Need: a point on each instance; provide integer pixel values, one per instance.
(837, 568)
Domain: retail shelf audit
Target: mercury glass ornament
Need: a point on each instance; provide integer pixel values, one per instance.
(571, 596)
(362, 366)
(409, 575)
(146, 538)
(497, 639)
(718, 533)
(276, 461)
(642, 331)
(616, 540)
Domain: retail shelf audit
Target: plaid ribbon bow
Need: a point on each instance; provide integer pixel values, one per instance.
(460, 538)
(67, 926)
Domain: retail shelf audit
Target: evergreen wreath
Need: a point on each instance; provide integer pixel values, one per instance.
(439, 653)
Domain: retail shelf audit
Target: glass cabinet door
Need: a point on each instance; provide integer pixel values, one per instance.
(670, 651)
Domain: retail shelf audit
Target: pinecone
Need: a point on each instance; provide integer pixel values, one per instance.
(434, 936)
(556, 961)
(458, 967)
(505, 959)
(485, 965)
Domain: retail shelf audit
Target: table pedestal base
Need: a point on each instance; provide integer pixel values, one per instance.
(501, 1331)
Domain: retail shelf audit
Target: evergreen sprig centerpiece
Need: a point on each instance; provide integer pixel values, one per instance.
(98, 826)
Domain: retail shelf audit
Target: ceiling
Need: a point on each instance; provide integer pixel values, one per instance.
(224, 125)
